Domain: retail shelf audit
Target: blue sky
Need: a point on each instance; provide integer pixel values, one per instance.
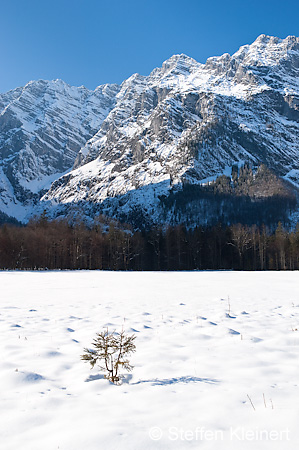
(92, 42)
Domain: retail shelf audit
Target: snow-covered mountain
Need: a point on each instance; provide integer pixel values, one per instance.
(184, 123)
(42, 128)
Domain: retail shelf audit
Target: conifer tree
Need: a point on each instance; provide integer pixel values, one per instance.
(110, 353)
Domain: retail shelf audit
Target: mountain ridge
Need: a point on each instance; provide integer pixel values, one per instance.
(183, 123)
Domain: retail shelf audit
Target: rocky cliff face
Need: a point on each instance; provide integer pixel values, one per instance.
(42, 128)
(184, 123)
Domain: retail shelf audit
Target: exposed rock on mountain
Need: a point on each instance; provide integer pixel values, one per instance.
(42, 128)
(184, 123)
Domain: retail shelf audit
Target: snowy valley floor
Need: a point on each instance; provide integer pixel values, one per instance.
(198, 365)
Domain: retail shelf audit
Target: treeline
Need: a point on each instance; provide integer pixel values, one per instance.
(245, 197)
(4, 218)
(45, 244)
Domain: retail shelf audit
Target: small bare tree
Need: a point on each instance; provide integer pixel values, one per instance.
(110, 353)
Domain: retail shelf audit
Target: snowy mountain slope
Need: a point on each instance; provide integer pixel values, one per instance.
(188, 121)
(184, 123)
(42, 127)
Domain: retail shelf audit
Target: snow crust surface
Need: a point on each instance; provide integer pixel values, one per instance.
(216, 363)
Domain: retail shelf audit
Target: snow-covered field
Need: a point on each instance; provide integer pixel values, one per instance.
(208, 344)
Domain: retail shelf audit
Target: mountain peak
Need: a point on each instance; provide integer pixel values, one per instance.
(179, 57)
(267, 50)
(179, 61)
(272, 42)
